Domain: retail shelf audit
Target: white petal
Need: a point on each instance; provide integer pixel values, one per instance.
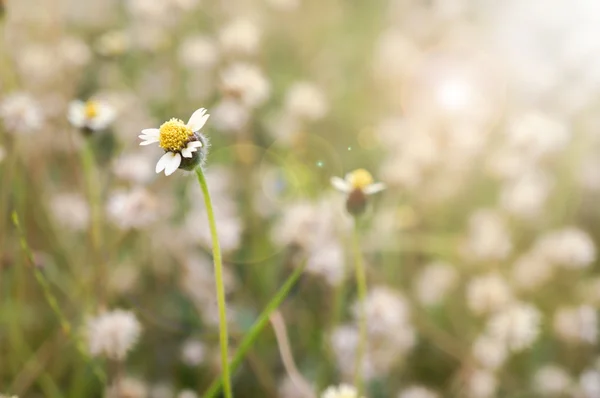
(195, 144)
(340, 184)
(76, 113)
(151, 132)
(198, 119)
(172, 164)
(162, 162)
(374, 188)
(192, 147)
(186, 153)
(149, 141)
(149, 136)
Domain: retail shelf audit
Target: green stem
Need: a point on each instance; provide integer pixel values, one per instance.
(51, 299)
(257, 327)
(99, 277)
(361, 284)
(223, 338)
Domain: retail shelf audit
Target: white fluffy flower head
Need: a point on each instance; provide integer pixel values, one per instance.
(247, 83)
(551, 380)
(180, 141)
(306, 100)
(113, 334)
(385, 310)
(241, 36)
(576, 324)
(417, 392)
(488, 293)
(569, 247)
(518, 326)
(21, 113)
(341, 391)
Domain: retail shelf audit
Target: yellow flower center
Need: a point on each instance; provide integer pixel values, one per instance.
(174, 135)
(359, 179)
(91, 109)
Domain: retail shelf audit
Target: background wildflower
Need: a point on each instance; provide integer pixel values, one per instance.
(113, 334)
(93, 115)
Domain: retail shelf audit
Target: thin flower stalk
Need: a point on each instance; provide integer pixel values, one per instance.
(51, 299)
(258, 326)
(220, 287)
(361, 284)
(99, 277)
(358, 185)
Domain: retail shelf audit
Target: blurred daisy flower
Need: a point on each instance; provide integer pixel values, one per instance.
(92, 115)
(341, 391)
(358, 184)
(181, 142)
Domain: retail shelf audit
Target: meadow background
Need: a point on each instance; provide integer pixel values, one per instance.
(481, 117)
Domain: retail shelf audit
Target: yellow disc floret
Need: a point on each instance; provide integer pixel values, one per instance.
(91, 109)
(359, 179)
(174, 135)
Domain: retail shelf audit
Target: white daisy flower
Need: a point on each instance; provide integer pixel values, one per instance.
(93, 115)
(179, 140)
(359, 179)
(357, 185)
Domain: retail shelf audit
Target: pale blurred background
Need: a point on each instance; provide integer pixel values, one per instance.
(481, 117)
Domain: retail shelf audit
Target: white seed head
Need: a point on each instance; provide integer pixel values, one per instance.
(434, 282)
(21, 113)
(418, 392)
(241, 37)
(576, 324)
(187, 394)
(551, 380)
(113, 334)
(247, 83)
(341, 391)
(306, 100)
(488, 293)
(481, 384)
(569, 247)
(490, 352)
(193, 352)
(517, 326)
(488, 238)
(70, 210)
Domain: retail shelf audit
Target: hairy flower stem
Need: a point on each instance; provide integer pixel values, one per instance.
(361, 285)
(223, 337)
(258, 326)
